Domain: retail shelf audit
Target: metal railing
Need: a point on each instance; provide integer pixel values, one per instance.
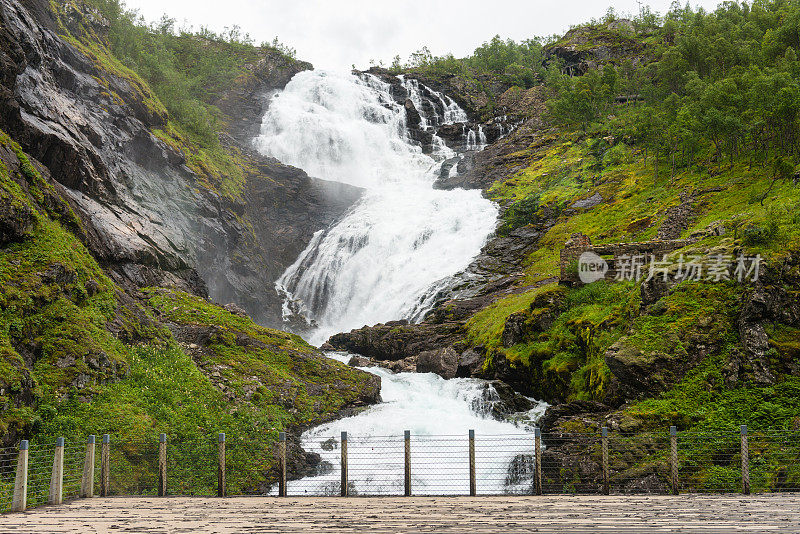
(472, 464)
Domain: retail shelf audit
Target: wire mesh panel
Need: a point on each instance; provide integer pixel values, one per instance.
(709, 462)
(40, 468)
(317, 471)
(97, 466)
(774, 461)
(8, 471)
(639, 462)
(504, 465)
(571, 463)
(74, 458)
(192, 466)
(376, 465)
(251, 466)
(133, 467)
(439, 465)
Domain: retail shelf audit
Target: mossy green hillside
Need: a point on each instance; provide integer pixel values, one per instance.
(56, 303)
(78, 357)
(565, 167)
(693, 327)
(165, 391)
(275, 370)
(227, 374)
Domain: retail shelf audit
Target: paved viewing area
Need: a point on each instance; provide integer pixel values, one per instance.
(556, 513)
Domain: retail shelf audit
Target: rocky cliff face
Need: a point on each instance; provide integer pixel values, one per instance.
(146, 215)
(631, 357)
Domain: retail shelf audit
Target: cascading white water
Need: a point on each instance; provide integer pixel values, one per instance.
(439, 413)
(393, 251)
(452, 112)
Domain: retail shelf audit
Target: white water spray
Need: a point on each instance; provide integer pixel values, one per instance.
(439, 413)
(391, 254)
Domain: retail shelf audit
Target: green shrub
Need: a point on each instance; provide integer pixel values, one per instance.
(763, 234)
(521, 213)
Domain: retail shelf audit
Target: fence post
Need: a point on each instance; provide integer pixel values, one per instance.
(604, 444)
(105, 467)
(473, 487)
(344, 465)
(673, 458)
(162, 465)
(745, 462)
(57, 476)
(221, 487)
(87, 480)
(282, 464)
(407, 436)
(537, 439)
(20, 498)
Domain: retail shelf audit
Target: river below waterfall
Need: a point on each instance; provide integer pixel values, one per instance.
(439, 414)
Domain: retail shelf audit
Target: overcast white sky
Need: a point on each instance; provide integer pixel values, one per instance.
(338, 34)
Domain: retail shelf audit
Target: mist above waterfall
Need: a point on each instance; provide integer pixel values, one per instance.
(389, 256)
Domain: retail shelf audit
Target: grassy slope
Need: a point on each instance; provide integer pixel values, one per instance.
(562, 172)
(77, 359)
(48, 314)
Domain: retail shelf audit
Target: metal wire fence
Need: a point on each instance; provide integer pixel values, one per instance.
(639, 462)
(503, 465)
(135, 468)
(40, 466)
(251, 466)
(74, 458)
(318, 470)
(574, 463)
(8, 470)
(774, 461)
(571, 463)
(439, 465)
(709, 462)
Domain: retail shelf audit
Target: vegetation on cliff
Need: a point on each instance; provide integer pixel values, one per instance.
(181, 74)
(657, 128)
(699, 112)
(79, 356)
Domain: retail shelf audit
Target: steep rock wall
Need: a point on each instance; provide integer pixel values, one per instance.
(145, 213)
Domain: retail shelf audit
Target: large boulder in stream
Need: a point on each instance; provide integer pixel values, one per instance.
(396, 340)
(443, 362)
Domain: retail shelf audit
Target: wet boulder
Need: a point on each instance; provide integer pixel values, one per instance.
(443, 362)
(470, 363)
(504, 401)
(413, 117)
(359, 361)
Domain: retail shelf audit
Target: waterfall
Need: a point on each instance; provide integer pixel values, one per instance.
(390, 255)
(439, 413)
(427, 102)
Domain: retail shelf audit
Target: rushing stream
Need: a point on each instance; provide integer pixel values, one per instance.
(439, 414)
(399, 245)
